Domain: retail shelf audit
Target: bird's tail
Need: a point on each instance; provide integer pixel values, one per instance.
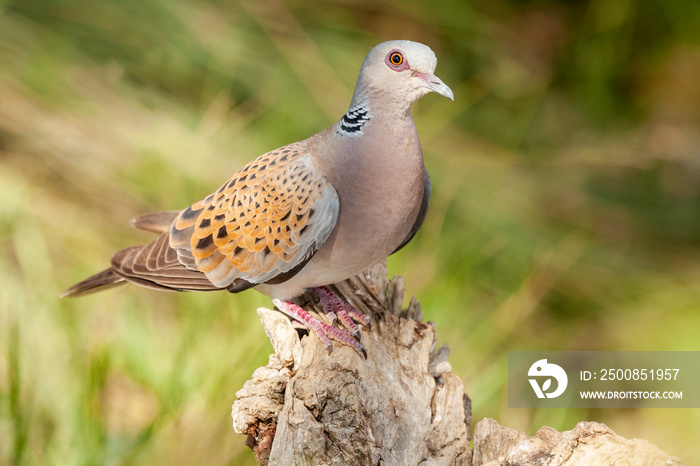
(98, 282)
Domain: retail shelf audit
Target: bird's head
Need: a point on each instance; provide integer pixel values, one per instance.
(402, 71)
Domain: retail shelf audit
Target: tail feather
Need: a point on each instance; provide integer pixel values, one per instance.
(98, 282)
(158, 222)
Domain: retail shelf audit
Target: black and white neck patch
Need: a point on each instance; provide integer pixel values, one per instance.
(352, 122)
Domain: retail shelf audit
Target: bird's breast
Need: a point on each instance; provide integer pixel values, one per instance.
(380, 179)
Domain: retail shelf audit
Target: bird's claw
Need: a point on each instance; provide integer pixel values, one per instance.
(324, 331)
(337, 308)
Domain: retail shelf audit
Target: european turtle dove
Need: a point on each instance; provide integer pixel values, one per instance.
(306, 215)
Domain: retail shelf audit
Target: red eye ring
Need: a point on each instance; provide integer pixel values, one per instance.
(396, 59)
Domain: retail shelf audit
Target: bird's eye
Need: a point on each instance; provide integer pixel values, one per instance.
(396, 61)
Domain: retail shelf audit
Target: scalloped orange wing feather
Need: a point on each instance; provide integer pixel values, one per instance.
(264, 223)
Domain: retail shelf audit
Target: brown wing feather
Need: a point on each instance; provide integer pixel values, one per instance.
(263, 223)
(156, 265)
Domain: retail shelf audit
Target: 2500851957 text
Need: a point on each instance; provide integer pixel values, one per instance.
(633, 374)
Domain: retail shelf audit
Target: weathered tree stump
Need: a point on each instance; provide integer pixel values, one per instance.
(400, 406)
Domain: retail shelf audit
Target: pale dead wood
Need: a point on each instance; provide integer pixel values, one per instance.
(400, 406)
(588, 443)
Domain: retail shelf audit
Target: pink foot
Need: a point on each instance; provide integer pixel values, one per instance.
(334, 307)
(324, 331)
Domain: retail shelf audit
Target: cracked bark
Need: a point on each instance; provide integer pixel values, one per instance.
(400, 406)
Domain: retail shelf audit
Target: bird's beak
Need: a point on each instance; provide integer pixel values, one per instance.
(435, 84)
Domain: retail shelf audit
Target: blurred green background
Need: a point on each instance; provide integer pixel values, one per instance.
(565, 212)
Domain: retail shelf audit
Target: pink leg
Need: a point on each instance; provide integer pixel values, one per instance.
(334, 306)
(324, 331)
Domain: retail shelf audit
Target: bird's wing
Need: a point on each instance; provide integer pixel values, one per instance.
(261, 226)
(156, 265)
